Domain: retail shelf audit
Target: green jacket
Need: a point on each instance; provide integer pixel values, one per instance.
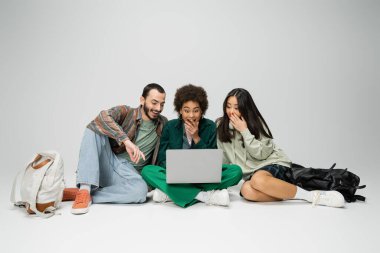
(172, 137)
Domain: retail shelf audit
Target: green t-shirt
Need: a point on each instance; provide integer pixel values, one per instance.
(146, 141)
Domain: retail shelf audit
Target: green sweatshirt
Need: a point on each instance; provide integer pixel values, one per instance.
(172, 137)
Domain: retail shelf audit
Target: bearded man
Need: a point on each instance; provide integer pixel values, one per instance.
(115, 147)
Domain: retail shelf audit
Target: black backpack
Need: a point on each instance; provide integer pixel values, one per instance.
(340, 180)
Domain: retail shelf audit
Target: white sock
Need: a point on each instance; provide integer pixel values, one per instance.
(202, 196)
(303, 194)
(85, 187)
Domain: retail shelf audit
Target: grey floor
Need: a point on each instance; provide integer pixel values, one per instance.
(291, 226)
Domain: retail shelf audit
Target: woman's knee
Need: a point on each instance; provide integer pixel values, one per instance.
(260, 180)
(151, 170)
(234, 171)
(246, 191)
(237, 171)
(147, 171)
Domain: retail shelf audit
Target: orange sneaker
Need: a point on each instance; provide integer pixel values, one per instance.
(82, 202)
(69, 194)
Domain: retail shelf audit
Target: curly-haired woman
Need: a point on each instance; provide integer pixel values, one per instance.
(194, 132)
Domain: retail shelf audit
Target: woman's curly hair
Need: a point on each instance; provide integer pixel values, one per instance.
(191, 93)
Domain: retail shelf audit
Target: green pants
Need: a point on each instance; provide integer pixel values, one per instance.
(184, 194)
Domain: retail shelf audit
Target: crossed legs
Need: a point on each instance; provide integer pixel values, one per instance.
(263, 187)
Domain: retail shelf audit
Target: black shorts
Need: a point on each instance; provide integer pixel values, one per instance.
(277, 171)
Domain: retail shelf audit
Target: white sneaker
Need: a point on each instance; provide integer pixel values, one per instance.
(328, 198)
(159, 196)
(218, 197)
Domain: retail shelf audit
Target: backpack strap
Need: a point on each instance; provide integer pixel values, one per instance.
(41, 164)
(16, 184)
(359, 197)
(48, 212)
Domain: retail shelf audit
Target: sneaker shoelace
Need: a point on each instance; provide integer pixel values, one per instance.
(81, 198)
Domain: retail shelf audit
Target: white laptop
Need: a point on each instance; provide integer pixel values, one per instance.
(193, 166)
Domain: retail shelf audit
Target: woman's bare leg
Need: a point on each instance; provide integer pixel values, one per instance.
(251, 194)
(264, 182)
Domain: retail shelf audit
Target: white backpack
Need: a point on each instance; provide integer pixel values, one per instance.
(41, 186)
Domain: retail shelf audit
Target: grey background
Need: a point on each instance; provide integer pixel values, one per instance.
(311, 66)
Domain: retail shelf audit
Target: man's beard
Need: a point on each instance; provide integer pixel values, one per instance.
(146, 110)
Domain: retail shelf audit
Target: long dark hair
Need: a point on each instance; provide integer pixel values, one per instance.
(248, 110)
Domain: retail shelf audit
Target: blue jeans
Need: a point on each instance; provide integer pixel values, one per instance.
(112, 179)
